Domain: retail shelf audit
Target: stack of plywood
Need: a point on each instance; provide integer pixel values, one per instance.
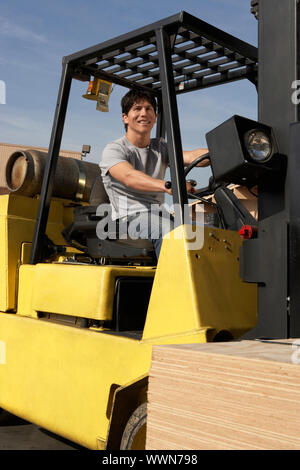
(238, 395)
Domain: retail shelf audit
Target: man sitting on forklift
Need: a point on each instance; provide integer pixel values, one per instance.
(133, 170)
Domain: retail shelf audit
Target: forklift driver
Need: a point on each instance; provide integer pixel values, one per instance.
(133, 170)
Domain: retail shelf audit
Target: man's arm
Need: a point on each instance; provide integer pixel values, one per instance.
(135, 179)
(190, 155)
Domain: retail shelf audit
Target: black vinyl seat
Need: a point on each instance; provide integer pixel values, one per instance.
(82, 233)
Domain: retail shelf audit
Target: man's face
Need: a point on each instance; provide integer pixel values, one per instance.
(140, 118)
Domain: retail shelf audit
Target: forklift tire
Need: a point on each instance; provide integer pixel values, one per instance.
(134, 435)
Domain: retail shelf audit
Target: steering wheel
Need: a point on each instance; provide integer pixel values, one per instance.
(196, 162)
(202, 192)
(207, 190)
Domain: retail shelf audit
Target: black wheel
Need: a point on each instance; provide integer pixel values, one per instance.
(134, 435)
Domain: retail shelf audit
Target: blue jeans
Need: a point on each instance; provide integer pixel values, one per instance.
(151, 226)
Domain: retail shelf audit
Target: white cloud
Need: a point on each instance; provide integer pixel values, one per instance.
(18, 121)
(13, 30)
(18, 126)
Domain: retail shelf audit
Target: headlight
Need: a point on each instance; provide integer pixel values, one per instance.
(244, 152)
(258, 145)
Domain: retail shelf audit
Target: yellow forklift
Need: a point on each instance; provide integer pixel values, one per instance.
(80, 312)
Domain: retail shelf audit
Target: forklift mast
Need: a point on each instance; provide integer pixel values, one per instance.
(273, 259)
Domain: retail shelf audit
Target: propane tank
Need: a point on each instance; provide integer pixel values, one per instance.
(73, 178)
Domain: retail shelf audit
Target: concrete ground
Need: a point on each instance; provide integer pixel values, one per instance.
(17, 434)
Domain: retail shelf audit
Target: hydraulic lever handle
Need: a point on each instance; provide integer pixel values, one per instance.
(168, 184)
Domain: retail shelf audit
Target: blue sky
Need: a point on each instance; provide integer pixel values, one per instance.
(35, 35)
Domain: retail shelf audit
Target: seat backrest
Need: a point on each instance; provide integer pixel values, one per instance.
(83, 233)
(98, 194)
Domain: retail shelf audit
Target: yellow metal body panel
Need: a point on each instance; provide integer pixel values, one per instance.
(25, 291)
(61, 377)
(200, 289)
(17, 221)
(68, 289)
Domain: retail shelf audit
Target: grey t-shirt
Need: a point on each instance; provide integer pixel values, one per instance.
(152, 160)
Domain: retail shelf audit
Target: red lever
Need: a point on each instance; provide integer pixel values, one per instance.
(248, 231)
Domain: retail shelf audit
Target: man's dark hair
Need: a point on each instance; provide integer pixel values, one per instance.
(134, 96)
